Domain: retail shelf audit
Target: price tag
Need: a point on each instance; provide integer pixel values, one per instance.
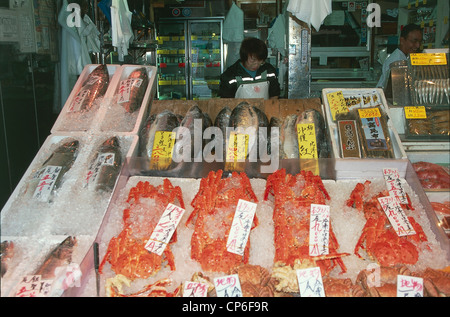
(409, 286)
(33, 286)
(422, 59)
(237, 147)
(228, 286)
(162, 149)
(369, 113)
(337, 103)
(241, 226)
(310, 282)
(307, 143)
(319, 230)
(164, 229)
(195, 289)
(394, 184)
(415, 112)
(48, 176)
(396, 216)
(103, 159)
(78, 100)
(124, 90)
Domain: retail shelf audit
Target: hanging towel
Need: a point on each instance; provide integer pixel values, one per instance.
(233, 26)
(312, 12)
(121, 31)
(277, 35)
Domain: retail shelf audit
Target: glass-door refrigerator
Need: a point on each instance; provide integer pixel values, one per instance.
(190, 58)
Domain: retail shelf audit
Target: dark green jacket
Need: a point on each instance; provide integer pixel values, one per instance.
(228, 83)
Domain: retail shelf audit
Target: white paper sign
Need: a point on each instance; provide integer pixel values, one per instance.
(319, 230)
(310, 282)
(195, 289)
(125, 89)
(396, 216)
(240, 229)
(394, 184)
(33, 286)
(78, 100)
(103, 159)
(228, 286)
(47, 179)
(164, 229)
(409, 286)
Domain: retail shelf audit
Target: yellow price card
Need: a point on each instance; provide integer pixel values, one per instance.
(337, 103)
(415, 113)
(162, 150)
(424, 59)
(369, 113)
(307, 143)
(237, 147)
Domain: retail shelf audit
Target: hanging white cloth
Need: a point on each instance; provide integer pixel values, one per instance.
(312, 12)
(277, 35)
(121, 31)
(233, 25)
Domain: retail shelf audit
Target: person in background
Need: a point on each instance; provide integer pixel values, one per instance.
(250, 76)
(410, 42)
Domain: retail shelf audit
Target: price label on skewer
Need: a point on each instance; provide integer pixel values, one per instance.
(237, 147)
(409, 286)
(164, 229)
(369, 113)
(396, 215)
(33, 286)
(241, 226)
(162, 150)
(394, 184)
(415, 112)
(228, 286)
(337, 104)
(310, 282)
(319, 230)
(195, 289)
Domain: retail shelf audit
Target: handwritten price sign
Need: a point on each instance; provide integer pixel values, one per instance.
(337, 103)
(394, 184)
(409, 286)
(228, 286)
(319, 230)
(307, 142)
(195, 289)
(164, 229)
(241, 226)
(48, 177)
(396, 216)
(33, 286)
(310, 282)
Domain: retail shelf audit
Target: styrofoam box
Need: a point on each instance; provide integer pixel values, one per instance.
(113, 117)
(367, 167)
(75, 209)
(68, 121)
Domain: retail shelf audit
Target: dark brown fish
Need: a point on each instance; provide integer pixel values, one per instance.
(131, 91)
(60, 256)
(93, 87)
(106, 165)
(6, 253)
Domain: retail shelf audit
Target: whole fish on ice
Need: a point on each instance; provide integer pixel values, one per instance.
(59, 257)
(289, 138)
(105, 166)
(93, 87)
(132, 90)
(322, 143)
(50, 175)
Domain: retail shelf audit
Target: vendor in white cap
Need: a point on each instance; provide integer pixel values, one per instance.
(250, 76)
(410, 42)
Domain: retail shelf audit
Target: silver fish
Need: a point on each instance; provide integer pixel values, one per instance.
(246, 119)
(223, 119)
(163, 121)
(57, 164)
(93, 87)
(289, 138)
(192, 115)
(138, 81)
(106, 165)
(314, 116)
(59, 257)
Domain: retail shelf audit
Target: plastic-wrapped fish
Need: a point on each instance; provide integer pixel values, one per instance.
(49, 177)
(193, 114)
(93, 87)
(6, 253)
(246, 118)
(132, 90)
(323, 144)
(164, 121)
(59, 257)
(105, 167)
(289, 138)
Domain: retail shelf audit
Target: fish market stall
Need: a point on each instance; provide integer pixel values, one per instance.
(209, 191)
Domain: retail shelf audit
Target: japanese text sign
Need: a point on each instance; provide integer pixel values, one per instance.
(228, 286)
(241, 226)
(48, 176)
(195, 289)
(409, 286)
(396, 216)
(310, 282)
(394, 184)
(319, 230)
(307, 143)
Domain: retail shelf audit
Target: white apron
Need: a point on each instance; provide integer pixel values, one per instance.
(253, 89)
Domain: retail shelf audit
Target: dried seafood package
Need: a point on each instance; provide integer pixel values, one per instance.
(432, 123)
